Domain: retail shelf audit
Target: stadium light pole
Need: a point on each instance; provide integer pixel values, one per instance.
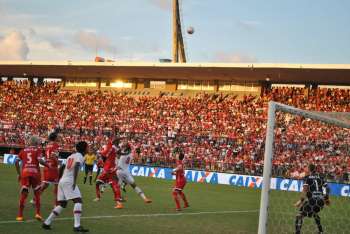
(178, 49)
(264, 201)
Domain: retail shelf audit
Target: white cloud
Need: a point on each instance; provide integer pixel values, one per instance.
(234, 57)
(248, 24)
(13, 46)
(162, 4)
(92, 41)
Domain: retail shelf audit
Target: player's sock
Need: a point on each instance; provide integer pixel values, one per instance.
(84, 179)
(116, 190)
(90, 179)
(37, 201)
(318, 223)
(176, 199)
(184, 198)
(98, 192)
(139, 192)
(298, 224)
(55, 212)
(22, 200)
(55, 194)
(77, 213)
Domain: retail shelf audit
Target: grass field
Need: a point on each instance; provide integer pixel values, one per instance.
(213, 209)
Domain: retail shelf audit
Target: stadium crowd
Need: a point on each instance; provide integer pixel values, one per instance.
(216, 131)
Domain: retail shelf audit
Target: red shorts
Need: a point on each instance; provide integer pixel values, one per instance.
(106, 177)
(100, 163)
(31, 181)
(51, 176)
(179, 184)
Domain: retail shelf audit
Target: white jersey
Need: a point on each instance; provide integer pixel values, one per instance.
(124, 162)
(68, 174)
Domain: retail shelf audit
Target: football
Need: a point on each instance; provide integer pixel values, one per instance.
(190, 30)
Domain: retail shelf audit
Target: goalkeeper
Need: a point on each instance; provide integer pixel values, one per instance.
(314, 195)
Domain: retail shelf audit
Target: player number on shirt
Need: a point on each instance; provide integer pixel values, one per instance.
(70, 163)
(29, 158)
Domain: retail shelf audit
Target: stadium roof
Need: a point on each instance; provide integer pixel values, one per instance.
(329, 74)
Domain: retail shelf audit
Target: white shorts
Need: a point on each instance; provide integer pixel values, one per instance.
(125, 177)
(65, 191)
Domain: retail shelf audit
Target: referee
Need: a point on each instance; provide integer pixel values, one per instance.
(89, 160)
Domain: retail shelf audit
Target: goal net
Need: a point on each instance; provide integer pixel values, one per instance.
(295, 139)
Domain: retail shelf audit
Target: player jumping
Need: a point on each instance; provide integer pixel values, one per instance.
(180, 182)
(312, 199)
(68, 190)
(109, 152)
(123, 173)
(29, 175)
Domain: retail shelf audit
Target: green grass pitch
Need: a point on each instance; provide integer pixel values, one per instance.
(213, 209)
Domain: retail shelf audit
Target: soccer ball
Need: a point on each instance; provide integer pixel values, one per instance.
(190, 30)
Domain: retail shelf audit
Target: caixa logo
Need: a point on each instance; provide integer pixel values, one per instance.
(9, 158)
(345, 191)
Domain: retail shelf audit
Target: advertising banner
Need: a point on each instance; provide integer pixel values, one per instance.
(196, 176)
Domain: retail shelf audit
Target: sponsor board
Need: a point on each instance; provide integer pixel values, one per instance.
(196, 176)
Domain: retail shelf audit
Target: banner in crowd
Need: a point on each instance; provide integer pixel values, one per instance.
(255, 182)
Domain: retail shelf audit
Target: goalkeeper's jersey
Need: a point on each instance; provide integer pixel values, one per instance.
(317, 185)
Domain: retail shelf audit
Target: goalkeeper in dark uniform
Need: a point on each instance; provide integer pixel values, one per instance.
(314, 196)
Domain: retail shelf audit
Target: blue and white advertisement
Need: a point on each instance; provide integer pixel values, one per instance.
(254, 182)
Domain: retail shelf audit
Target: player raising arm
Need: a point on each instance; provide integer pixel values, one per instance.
(123, 173)
(180, 182)
(314, 195)
(108, 176)
(29, 175)
(68, 190)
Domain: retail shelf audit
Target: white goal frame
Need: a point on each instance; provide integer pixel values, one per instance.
(272, 108)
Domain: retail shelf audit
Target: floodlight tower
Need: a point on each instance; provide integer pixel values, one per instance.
(179, 54)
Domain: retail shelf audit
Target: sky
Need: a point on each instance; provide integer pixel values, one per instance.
(252, 31)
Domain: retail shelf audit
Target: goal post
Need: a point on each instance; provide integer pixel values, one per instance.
(273, 107)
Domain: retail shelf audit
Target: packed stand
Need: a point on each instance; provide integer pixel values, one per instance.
(216, 132)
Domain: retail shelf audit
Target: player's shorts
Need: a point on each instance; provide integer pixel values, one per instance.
(31, 181)
(100, 164)
(89, 168)
(51, 176)
(106, 177)
(311, 206)
(125, 176)
(179, 185)
(65, 191)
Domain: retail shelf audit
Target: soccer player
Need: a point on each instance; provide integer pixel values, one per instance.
(51, 174)
(314, 195)
(180, 182)
(108, 176)
(123, 173)
(29, 175)
(68, 190)
(89, 160)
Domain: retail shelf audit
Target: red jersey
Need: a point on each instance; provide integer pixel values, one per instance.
(109, 153)
(180, 181)
(51, 155)
(51, 173)
(30, 161)
(180, 172)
